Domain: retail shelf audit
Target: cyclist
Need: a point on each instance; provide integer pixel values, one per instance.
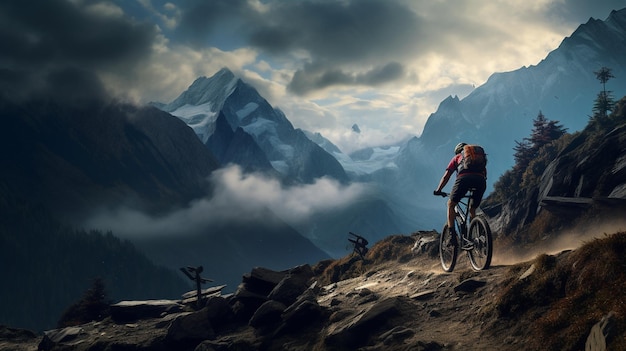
(466, 179)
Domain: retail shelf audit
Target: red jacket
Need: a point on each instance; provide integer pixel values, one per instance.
(454, 166)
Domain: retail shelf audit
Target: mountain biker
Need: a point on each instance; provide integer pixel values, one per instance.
(465, 180)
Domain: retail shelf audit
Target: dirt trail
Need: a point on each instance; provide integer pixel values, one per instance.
(449, 309)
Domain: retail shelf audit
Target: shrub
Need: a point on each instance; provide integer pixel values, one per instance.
(93, 306)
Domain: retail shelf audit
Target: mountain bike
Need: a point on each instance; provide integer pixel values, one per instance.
(477, 241)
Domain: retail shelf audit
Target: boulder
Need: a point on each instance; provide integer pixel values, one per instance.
(219, 313)
(261, 280)
(190, 327)
(67, 336)
(267, 316)
(302, 312)
(353, 333)
(130, 311)
(292, 285)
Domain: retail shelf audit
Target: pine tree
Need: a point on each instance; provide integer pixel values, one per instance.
(538, 136)
(523, 154)
(544, 132)
(604, 101)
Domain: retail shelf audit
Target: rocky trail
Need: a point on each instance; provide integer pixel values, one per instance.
(397, 298)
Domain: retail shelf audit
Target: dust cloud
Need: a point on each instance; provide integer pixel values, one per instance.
(567, 240)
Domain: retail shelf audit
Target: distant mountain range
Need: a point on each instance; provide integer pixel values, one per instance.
(239, 126)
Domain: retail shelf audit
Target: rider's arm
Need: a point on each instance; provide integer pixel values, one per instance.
(444, 180)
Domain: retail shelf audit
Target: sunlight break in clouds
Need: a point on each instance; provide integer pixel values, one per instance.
(237, 197)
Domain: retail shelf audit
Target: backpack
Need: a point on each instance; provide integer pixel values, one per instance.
(473, 159)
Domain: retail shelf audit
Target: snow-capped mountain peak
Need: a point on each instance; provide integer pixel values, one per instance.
(211, 92)
(220, 108)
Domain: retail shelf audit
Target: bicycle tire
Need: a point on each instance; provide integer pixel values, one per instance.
(480, 235)
(448, 250)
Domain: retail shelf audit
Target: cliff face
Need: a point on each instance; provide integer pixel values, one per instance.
(587, 180)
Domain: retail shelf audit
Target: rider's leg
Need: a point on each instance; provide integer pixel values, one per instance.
(451, 214)
(472, 211)
(479, 184)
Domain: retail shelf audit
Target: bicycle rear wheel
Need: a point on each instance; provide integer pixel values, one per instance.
(448, 250)
(480, 235)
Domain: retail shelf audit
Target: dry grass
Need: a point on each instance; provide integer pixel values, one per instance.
(395, 248)
(567, 295)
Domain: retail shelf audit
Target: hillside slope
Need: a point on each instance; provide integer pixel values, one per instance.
(580, 182)
(397, 298)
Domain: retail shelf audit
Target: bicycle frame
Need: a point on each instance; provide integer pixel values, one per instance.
(472, 236)
(462, 210)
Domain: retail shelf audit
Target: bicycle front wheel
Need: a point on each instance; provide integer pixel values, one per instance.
(480, 235)
(448, 249)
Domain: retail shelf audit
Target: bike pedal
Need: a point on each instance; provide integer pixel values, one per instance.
(467, 245)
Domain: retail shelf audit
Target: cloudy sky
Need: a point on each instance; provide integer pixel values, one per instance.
(383, 64)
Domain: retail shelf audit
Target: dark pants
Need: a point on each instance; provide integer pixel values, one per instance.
(465, 182)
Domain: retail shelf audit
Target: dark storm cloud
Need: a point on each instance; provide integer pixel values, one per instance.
(339, 37)
(336, 31)
(200, 18)
(336, 35)
(58, 47)
(310, 78)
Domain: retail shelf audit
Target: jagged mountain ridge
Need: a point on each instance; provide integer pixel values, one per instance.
(223, 96)
(563, 87)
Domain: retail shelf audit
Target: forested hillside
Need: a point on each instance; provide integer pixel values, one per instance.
(45, 266)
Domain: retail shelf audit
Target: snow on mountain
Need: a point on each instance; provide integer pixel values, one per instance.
(200, 118)
(359, 163)
(281, 148)
(204, 91)
(370, 160)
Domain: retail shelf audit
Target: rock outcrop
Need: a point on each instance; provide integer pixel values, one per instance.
(588, 176)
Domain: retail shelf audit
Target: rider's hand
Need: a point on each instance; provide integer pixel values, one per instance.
(437, 192)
